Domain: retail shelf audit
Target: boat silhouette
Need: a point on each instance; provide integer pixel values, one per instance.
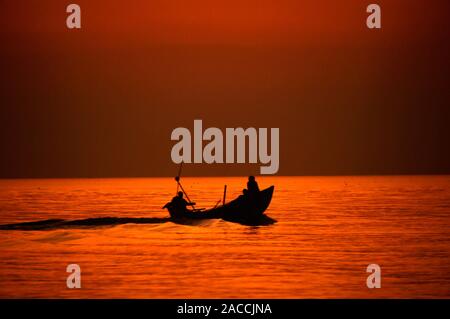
(246, 210)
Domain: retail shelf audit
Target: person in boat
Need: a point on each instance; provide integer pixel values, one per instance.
(178, 205)
(252, 185)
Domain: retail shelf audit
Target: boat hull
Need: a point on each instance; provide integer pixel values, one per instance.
(248, 209)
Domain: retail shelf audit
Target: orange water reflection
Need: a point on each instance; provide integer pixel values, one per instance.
(329, 229)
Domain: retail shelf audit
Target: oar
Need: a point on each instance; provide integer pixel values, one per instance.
(177, 178)
(184, 192)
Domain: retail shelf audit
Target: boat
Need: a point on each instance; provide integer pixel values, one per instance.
(246, 209)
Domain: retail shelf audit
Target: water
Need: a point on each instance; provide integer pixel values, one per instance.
(329, 229)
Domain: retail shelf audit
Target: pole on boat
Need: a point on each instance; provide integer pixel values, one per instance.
(224, 194)
(178, 177)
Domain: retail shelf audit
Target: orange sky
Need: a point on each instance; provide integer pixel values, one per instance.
(103, 100)
(231, 21)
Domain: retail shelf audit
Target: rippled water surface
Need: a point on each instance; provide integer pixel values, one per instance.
(329, 229)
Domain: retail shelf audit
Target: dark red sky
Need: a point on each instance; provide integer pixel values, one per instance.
(103, 100)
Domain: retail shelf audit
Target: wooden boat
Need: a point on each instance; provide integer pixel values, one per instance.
(246, 209)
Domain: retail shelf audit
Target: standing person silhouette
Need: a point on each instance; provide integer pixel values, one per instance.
(252, 185)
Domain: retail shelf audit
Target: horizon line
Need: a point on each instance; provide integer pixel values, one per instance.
(228, 176)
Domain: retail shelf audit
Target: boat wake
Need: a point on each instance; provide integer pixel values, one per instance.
(52, 224)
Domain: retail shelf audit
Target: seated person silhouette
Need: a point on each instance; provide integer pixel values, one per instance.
(252, 185)
(178, 206)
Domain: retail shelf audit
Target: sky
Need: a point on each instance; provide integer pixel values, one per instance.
(102, 101)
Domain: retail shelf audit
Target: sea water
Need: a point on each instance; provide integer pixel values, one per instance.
(329, 230)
